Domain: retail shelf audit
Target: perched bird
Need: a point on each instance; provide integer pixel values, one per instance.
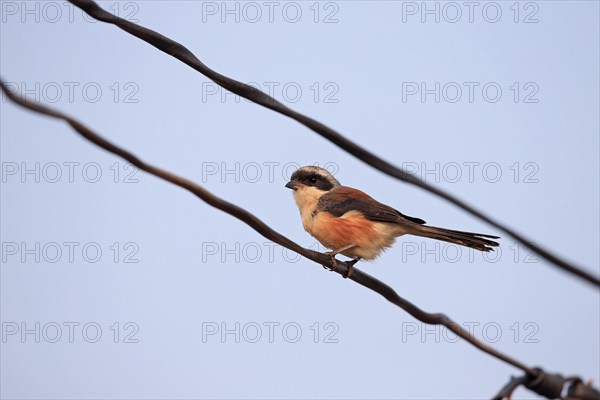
(352, 223)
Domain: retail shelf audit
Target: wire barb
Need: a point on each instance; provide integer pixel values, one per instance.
(251, 93)
(344, 268)
(550, 386)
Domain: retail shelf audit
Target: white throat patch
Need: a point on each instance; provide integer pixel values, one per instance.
(307, 198)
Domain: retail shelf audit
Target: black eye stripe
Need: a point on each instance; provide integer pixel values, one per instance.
(304, 176)
(311, 178)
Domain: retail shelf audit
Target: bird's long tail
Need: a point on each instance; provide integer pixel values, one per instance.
(476, 241)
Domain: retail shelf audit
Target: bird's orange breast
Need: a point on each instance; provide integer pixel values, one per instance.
(336, 233)
(369, 237)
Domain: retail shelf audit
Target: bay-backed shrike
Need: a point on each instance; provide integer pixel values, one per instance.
(352, 223)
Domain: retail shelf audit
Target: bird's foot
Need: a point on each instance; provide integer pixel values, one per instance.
(331, 255)
(355, 260)
(350, 266)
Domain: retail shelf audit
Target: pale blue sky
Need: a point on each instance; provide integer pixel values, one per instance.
(529, 157)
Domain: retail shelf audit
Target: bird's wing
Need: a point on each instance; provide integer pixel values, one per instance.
(344, 199)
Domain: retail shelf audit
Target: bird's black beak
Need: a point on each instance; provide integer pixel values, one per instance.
(291, 185)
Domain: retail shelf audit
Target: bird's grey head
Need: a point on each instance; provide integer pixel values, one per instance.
(312, 176)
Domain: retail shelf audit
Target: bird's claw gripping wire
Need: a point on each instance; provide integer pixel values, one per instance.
(350, 265)
(331, 256)
(334, 262)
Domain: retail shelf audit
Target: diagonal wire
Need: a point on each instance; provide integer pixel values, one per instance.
(180, 52)
(343, 268)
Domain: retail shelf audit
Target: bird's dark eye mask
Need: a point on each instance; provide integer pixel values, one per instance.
(314, 179)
